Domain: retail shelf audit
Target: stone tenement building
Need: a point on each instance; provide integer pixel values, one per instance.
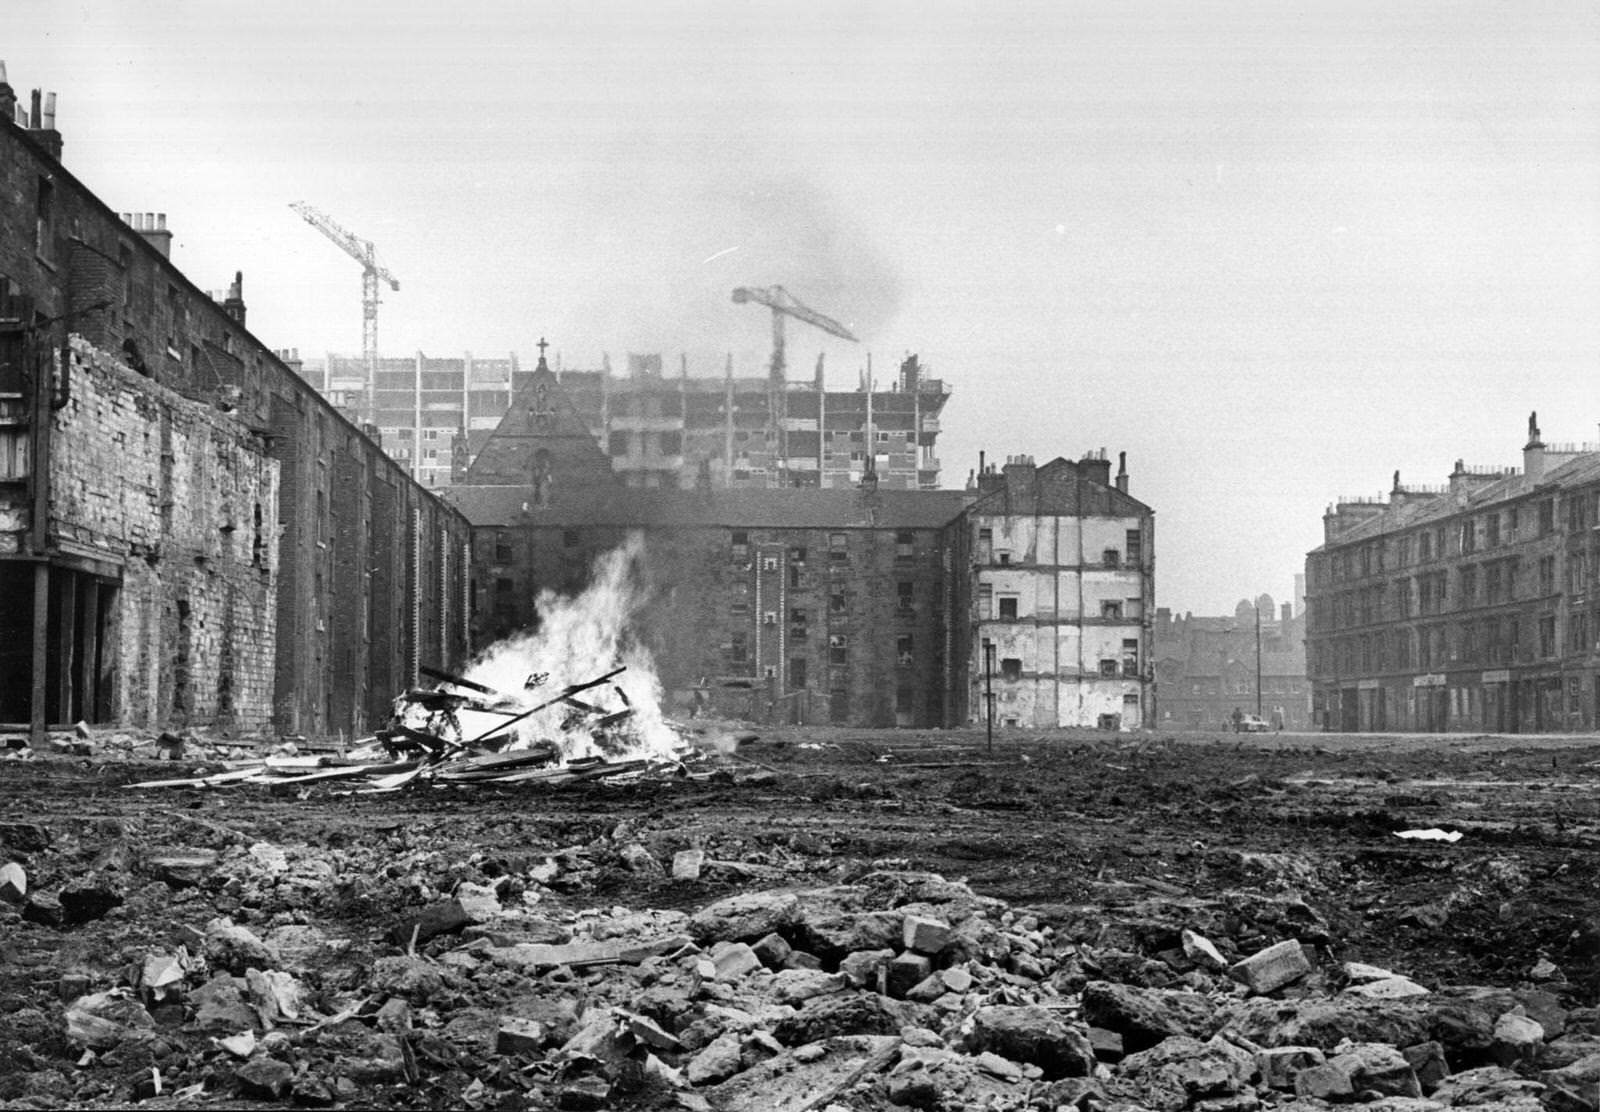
(859, 605)
(435, 414)
(1206, 666)
(189, 534)
(1473, 606)
(1053, 597)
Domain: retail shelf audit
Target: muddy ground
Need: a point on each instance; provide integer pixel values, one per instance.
(1049, 823)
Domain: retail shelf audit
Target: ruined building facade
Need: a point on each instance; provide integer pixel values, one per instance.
(1053, 619)
(1473, 606)
(659, 430)
(189, 534)
(853, 604)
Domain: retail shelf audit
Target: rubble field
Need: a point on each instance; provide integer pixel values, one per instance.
(821, 919)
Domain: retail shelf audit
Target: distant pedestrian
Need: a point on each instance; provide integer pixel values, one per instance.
(1238, 720)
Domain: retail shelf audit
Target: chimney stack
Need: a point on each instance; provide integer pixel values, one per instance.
(1095, 467)
(233, 304)
(40, 116)
(1122, 472)
(8, 97)
(1533, 451)
(152, 226)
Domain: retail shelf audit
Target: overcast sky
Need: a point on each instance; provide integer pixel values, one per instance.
(1272, 250)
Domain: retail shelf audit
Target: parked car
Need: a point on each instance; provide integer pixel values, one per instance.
(1252, 724)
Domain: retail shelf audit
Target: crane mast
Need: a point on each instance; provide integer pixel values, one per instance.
(372, 273)
(784, 304)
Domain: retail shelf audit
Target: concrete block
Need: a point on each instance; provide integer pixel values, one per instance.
(773, 950)
(1200, 950)
(1270, 969)
(907, 971)
(865, 968)
(687, 863)
(925, 935)
(1517, 1038)
(735, 960)
(1428, 1063)
(13, 883)
(1280, 1065)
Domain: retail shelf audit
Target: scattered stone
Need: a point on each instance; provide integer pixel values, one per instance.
(867, 969)
(773, 950)
(795, 986)
(1516, 1039)
(1035, 1035)
(181, 868)
(716, 1061)
(1107, 1045)
(13, 883)
(241, 1046)
(637, 859)
(687, 863)
(906, 971)
(1428, 1063)
(106, 1019)
(1388, 988)
(265, 1078)
(585, 1094)
(809, 1077)
(479, 902)
(45, 909)
(271, 858)
(448, 917)
(1145, 1016)
(517, 1035)
(926, 936)
(744, 917)
(996, 1066)
(649, 1033)
(733, 961)
(236, 948)
(1280, 1065)
(1270, 969)
(1200, 950)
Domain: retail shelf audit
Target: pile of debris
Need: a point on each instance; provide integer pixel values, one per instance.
(892, 989)
(428, 740)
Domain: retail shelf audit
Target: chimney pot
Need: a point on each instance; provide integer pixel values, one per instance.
(50, 111)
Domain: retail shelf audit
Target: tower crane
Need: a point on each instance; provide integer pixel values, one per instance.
(785, 304)
(372, 271)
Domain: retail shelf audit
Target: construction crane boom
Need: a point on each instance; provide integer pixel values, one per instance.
(785, 304)
(372, 272)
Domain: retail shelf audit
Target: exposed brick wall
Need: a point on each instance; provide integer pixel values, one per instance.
(368, 573)
(171, 490)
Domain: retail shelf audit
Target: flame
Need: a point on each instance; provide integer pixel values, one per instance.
(581, 637)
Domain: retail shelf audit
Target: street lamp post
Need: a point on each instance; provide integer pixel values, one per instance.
(1258, 660)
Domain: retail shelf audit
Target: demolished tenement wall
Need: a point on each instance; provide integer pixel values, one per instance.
(371, 569)
(1059, 578)
(183, 499)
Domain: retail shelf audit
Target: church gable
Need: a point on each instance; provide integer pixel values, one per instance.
(542, 442)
